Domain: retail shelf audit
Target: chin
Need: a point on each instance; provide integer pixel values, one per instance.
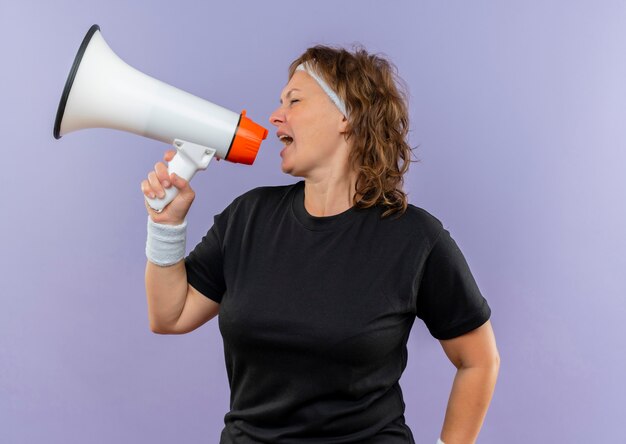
(289, 169)
(287, 165)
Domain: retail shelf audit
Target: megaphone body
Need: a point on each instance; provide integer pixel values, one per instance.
(102, 91)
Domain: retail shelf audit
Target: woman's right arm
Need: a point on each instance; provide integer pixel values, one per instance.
(174, 306)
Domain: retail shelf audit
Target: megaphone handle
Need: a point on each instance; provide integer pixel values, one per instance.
(190, 158)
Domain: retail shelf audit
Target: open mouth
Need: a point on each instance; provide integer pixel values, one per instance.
(286, 140)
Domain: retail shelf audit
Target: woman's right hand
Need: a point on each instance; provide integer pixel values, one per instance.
(174, 213)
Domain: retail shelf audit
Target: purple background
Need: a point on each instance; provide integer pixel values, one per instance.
(518, 109)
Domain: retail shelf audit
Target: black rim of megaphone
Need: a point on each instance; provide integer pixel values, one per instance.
(70, 79)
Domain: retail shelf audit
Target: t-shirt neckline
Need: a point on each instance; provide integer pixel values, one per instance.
(317, 223)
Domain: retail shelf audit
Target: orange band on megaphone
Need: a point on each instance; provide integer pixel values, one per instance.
(247, 141)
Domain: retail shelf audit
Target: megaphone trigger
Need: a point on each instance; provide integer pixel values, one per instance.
(189, 159)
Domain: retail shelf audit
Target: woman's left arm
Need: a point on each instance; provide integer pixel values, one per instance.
(476, 358)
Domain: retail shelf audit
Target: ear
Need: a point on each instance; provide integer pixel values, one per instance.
(343, 124)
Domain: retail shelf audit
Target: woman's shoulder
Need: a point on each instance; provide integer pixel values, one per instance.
(263, 195)
(419, 221)
(266, 191)
(418, 213)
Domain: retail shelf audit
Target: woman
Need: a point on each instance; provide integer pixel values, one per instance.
(318, 283)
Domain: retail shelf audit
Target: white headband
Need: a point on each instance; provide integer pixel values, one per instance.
(332, 94)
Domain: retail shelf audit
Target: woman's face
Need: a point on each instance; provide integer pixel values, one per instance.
(314, 128)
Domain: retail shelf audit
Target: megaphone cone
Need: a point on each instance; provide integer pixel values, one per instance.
(102, 91)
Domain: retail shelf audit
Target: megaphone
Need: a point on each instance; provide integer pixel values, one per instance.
(102, 91)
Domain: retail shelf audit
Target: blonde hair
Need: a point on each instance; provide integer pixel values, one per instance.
(376, 99)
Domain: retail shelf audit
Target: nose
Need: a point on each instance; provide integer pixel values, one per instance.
(278, 116)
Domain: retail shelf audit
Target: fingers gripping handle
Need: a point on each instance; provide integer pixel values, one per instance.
(190, 158)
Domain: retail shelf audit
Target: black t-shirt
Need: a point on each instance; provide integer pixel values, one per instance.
(315, 314)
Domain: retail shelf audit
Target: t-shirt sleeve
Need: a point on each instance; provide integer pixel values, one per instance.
(448, 299)
(205, 263)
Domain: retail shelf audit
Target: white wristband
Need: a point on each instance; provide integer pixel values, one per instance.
(439, 441)
(165, 244)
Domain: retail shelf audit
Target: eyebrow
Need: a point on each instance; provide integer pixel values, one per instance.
(288, 94)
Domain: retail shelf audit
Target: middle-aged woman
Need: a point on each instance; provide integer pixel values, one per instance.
(317, 284)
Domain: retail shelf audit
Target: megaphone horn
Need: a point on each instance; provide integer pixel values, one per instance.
(102, 91)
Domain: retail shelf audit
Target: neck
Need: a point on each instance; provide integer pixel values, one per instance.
(329, 195)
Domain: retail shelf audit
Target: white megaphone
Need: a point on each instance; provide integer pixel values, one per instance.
(102, 91)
